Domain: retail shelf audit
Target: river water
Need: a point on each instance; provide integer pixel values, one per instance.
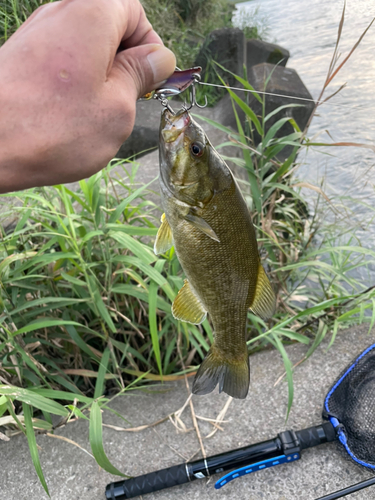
(308, 29)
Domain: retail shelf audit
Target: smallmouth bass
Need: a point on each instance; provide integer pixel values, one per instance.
(207, 220)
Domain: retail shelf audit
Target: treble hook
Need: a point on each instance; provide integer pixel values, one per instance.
(193, 95)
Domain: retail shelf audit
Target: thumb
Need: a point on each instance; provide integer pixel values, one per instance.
(145, 67)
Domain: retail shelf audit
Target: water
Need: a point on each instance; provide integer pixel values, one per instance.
(308, 29)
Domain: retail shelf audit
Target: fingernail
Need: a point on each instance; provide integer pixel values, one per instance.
(162, 62)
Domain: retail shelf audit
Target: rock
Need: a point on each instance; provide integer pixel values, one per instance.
(285, 82)
(258, 52)
(227, 46)
(145, 134)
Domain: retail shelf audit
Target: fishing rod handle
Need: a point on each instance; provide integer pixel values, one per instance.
(316, 435)
(286, 442)
(154, 481)
(199, 469)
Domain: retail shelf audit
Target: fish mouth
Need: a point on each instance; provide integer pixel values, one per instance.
(172, 139)
(174, 126)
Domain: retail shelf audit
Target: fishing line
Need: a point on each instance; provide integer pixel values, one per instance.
(280, 95)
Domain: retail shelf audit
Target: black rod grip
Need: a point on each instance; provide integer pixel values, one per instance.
(318, 434)
(147, 483)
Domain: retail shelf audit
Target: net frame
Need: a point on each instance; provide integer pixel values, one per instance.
(350, 407)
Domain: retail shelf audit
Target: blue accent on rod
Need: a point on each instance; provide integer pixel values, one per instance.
(271, 462)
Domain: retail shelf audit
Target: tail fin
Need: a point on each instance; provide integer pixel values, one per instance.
(233, 376)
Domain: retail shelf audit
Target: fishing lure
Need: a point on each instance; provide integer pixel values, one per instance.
(177, 83)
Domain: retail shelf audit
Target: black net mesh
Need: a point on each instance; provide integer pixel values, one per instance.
(352, 401)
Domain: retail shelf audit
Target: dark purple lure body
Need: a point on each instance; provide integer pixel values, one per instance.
(179, 82)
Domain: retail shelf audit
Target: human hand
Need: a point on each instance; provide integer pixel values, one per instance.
(67, 97)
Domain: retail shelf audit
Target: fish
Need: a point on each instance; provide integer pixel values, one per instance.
(208, 222)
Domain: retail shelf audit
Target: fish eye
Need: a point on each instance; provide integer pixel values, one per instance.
(197, 149)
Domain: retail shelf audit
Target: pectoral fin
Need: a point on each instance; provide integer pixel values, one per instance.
(264, 300)
(187, 306)
(202, 225)
(164, 239)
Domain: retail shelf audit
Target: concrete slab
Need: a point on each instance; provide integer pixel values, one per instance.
(71, 474)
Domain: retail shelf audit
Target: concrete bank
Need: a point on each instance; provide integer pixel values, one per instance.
(72, 474)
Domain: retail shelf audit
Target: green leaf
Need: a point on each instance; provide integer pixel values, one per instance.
(218, 125)
(372, 316)
(288, 370)
(133, 230)
(244, 82)
(34, 399)
(136, 247)
(73, 280)
(152, 301)
(75, 336)
(280, 108)
(32, 445)
(248, 111)
(273, 130)
(99, 386)
(15, 257)
(135, 194)
(253, 179)
(151, 272)
(96, 441)
(139, 293)
(57, 302)
(76, 411)
(91, 235)
(68, 396)
(42, 424)
(44, 323)
(103, 311)
(285, 166)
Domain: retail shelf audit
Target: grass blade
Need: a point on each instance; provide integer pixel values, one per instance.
(32, 445)
(96, 441)
(152, 301)
(99, 386)
(288, 369)
(33, 399)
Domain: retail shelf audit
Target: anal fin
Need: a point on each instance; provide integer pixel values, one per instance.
(187, 306)
(164, 239)
(264, 301)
